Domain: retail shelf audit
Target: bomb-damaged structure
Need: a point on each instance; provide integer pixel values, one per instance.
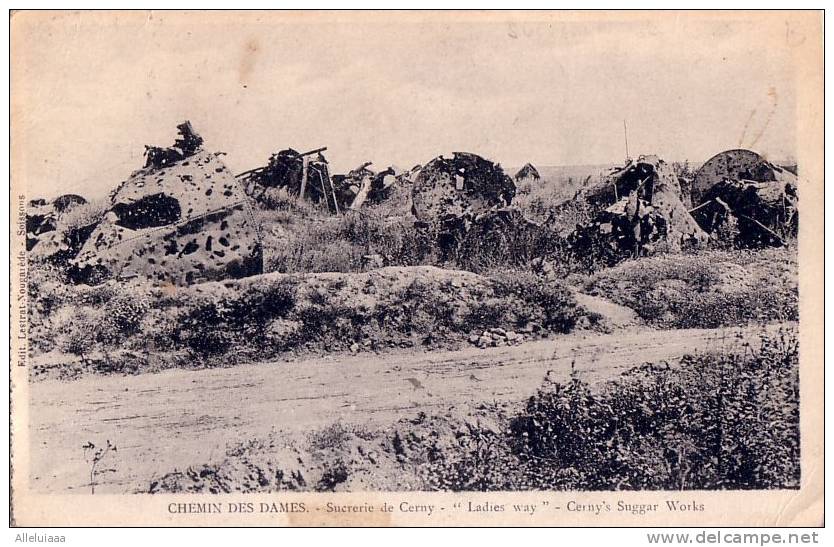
(44, 241)
(363, 185)
(452, 196)
(305, 175)
(637, 207)
(181, 219)
(738, 194)
(527, 173)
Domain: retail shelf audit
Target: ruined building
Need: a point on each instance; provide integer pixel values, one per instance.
(528, 172)
(181, 219)
(754, 200)
(451, 195)
(305, 175)
(638, 207)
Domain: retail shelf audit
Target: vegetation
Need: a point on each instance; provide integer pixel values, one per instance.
(707, 289)
(725, 420)
(715, 420)
(263, 317)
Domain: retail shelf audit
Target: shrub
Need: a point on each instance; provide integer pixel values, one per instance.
(213, 323)
(713, 421)
(121, 318)
(716, 422)
(548, 301)
(705, 290)
(72, 329)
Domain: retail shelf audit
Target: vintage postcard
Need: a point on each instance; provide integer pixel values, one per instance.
(416, 268)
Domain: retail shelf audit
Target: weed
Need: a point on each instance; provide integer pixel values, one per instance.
(94, 456)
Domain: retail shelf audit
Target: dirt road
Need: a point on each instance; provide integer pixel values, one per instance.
(173, 419)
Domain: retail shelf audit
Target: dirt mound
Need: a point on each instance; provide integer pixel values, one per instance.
(612, 315)
(707, 290)
(336, 458)
(184, 222)
(286, 315)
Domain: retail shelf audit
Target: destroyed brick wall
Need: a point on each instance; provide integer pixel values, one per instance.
(185, 222)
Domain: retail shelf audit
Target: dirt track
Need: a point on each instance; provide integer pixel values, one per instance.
(166, 421)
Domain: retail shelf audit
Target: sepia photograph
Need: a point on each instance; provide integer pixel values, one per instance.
(416, 268)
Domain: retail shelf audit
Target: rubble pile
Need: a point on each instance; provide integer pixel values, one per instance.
(496, 337)
(363, 186)
(187, 144)
(181, 220)
(305, 175)
(753, 199)
(43, 240)
(638, 207)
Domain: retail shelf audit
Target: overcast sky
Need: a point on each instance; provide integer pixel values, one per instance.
(90, 91)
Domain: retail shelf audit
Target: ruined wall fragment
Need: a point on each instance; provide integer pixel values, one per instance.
(464, 183)
(741, 188)
(183, 223)
(639, 206)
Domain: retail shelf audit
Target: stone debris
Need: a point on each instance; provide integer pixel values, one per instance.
(363, 186)
(187, 144)
(496, 337)
(183, 222)
(353, 188)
